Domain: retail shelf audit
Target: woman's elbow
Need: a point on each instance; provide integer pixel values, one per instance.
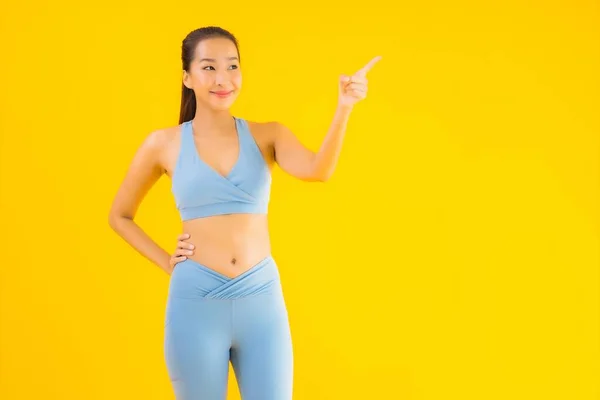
(115, 219)
(322, 176)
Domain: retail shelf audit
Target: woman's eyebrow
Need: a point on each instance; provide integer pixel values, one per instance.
(214, 60)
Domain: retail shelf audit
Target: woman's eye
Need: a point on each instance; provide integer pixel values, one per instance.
(210, 66)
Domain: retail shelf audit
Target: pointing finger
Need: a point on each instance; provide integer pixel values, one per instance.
(363, 71)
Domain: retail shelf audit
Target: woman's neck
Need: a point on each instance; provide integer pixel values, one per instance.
(213, 121)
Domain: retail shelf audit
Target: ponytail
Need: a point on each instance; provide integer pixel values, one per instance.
(188, 104)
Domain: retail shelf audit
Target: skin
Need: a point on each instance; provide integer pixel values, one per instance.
(233, 243)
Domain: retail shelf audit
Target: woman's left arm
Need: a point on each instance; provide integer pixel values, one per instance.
(299, 161)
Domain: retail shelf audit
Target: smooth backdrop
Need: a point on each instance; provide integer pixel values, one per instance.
(453, 255)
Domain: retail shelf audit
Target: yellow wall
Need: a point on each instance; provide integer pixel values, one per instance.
(454, 254)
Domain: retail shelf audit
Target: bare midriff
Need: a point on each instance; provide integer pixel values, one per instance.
(229, 244)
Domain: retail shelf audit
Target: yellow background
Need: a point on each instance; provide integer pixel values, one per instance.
(454, 255)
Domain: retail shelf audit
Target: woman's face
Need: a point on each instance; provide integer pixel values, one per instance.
(215, 69)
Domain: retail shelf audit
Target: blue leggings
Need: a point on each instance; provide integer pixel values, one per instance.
(212, 319)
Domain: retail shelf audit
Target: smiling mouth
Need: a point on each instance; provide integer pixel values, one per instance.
(222, 93)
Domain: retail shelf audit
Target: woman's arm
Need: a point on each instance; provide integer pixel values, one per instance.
(142, 174)
(297, 160)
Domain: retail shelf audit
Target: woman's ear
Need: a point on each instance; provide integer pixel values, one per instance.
(186, 79)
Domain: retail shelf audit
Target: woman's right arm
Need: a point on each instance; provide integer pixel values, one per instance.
(144, 170)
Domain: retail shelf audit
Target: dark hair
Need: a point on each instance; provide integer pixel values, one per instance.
(188, 48)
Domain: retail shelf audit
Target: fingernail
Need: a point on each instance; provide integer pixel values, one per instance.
(193, 247)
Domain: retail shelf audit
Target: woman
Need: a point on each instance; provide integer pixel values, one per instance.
(225, 302)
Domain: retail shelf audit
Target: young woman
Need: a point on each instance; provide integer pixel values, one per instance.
(225, 301)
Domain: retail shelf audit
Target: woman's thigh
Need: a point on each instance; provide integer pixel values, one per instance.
(262, 354)
(197, 347)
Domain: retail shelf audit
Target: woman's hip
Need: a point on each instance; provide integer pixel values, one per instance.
(192, 280)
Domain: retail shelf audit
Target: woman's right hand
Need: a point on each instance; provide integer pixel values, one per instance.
(182, 251)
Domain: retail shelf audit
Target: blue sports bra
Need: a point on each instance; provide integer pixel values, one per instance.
(200, 191)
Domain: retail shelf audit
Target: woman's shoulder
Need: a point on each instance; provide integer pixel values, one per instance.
(265, 130)
(164, 136)
(162, 142)
(264, 133)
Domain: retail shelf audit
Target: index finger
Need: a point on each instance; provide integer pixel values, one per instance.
(363, 71)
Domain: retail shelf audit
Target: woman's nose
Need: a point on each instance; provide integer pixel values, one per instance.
(222, 77)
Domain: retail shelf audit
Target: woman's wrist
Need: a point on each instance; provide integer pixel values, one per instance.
(165, 262)
(345, 108)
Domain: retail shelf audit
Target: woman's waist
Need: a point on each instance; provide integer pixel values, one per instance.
(233, 230)
(230, 261)
(228, 242)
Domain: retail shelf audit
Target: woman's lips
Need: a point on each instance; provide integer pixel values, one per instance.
(222, 93)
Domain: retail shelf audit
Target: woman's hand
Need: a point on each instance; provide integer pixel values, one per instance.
(354, 88)
(182, 251)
